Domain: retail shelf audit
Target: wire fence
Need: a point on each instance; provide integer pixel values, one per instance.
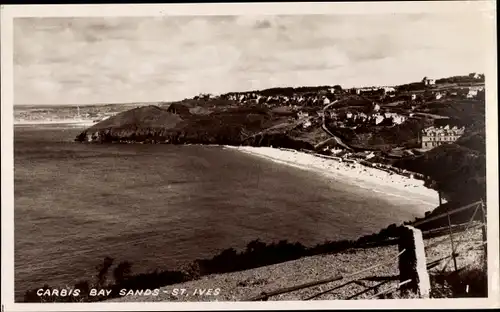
(353, 278)
(464, 228)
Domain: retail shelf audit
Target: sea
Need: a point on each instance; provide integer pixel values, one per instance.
(161, 206)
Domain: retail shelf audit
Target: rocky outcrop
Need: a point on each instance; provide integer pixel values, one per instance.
(175, 125)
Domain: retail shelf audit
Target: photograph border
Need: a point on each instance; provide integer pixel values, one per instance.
(10, 12)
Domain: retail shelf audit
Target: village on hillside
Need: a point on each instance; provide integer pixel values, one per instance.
(374, 108)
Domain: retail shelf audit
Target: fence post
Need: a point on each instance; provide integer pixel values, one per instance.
(484, 231)
(451, 235)
(412, 262)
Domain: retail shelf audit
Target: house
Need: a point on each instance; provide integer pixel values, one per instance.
(373, 91)
(432, 136)
(475, 75)
(413, 97)
(362, 116)
(428, 82)
(326, 101)
(348, 115)
(378, 119)
(398, 119)
(438, 95)
(389, 91)
(471, 94)
(376, 107)
(477, 88)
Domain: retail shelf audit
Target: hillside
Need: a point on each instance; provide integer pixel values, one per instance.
(181, 124)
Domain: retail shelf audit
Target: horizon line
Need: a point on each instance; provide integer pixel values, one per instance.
(218, 94)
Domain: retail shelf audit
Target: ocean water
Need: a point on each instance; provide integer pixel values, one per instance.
(159, 206)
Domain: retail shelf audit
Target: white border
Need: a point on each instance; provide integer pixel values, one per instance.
(12, 11)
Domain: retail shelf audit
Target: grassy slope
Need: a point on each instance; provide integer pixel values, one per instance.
(147, 117)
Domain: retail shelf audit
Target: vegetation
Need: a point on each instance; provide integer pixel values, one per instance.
(461, 79)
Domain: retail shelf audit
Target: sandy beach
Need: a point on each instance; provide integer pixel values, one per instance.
(396, 186)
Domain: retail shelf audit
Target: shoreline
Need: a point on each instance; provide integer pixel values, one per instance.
(370, 178)
(55, 122)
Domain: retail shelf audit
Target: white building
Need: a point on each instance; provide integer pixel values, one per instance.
(398, 119)
(379, 119)
(471, 94)
(432, 136)
(428, 82)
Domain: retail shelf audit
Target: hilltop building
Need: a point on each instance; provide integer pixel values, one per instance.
(471, 94)
(428, 81)
(389, 91)
(433, 136)
(475, 75)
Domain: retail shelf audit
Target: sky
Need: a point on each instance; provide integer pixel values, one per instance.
(148, 59)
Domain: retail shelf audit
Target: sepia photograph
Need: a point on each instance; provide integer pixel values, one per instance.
(249, 153)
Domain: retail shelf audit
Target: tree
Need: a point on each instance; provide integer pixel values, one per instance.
(337, 88)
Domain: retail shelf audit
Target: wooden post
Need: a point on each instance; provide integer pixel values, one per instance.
(451, 234)
(484, 231)
(412, 263)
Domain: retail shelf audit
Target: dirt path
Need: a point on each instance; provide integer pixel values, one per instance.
(323, 126)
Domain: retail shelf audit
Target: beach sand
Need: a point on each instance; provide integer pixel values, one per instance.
(396, 187)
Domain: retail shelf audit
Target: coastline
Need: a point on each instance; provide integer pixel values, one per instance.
(376, 180)
(86, 123)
